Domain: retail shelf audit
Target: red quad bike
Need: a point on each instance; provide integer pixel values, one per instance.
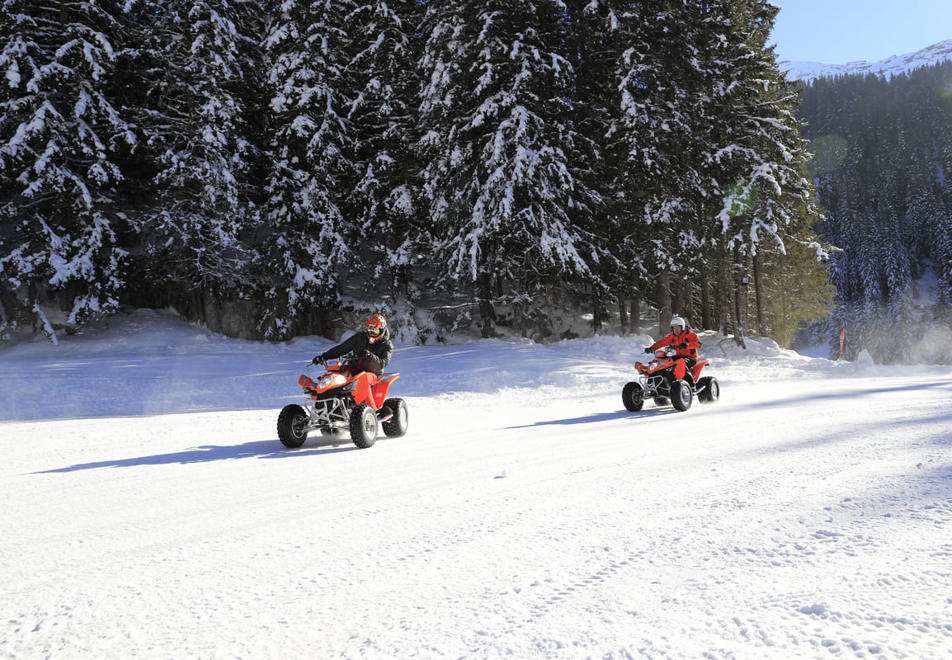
(343, 398)
(665, 378)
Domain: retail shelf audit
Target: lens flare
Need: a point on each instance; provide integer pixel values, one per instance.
(945, 91)
(827, 153)
(739, 198)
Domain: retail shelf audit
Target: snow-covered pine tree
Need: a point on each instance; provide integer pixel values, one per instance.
(198, 60)
(59, 136)
(842, 222)
(593, 49)
(943, 256)
(942, 206)
(796, 287)
(508, 211)
(760, 158)
(304, 239)
(664, 127)
(382, 95)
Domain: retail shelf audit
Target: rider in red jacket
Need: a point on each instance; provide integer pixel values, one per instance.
(684, 341)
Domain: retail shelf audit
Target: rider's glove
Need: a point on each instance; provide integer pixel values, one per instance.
(318, 359)
(648, 350)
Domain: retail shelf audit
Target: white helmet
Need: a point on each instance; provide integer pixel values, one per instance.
(677, 320)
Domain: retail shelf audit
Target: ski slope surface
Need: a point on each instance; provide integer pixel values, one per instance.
(149, 510)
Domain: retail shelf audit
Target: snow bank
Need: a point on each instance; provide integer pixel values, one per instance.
(151, 362)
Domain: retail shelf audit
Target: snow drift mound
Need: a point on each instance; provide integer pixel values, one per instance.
(151, 362)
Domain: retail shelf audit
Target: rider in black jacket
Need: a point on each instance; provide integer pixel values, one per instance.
(372, 348)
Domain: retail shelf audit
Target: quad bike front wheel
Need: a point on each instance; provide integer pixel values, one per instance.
(709, 390)
(292, 420)
(396, 426)
(363, 426)
(633, 396)
(681, 395)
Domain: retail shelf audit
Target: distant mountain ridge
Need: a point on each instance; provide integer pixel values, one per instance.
(889, 67)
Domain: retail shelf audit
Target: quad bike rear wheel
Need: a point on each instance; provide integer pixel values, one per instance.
(292, 421)
(709, 389)
(396, 426)
(363, 426)
(633, 396)
(681, 395)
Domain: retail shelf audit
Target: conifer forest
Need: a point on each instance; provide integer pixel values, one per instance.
(489, 166)
(882, 160)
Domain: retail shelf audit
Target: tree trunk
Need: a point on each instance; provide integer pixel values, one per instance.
(740, 307)
(322, 321)
(8, 312)
(596, 310)
(622, 315)
(687, 302)
(664, 302)
(487, 315)
(674, 286)
(738, 318)
(707, 319)
(192, 307)
(400, 278)
(759, 293)
(724, 286)
(42, 323)
(635, 315)
(520, 311)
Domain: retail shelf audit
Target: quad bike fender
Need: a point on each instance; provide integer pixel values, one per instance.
(363, 390)
(679, 369)
(696, 370)
(671, 378)
(381, 388)
(689, 379)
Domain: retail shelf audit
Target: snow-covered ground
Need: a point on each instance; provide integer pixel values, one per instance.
(150, 511)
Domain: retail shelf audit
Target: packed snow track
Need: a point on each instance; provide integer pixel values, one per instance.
(525, 514)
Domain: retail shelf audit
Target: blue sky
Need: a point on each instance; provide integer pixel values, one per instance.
(841, 31)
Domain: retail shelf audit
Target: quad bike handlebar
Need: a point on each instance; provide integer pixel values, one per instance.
(343, 359)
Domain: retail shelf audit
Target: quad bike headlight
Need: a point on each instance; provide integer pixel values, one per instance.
(324, 381)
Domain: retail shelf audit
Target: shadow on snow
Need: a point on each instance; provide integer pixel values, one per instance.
(599, 417)
(208, 453)
(779, 402)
